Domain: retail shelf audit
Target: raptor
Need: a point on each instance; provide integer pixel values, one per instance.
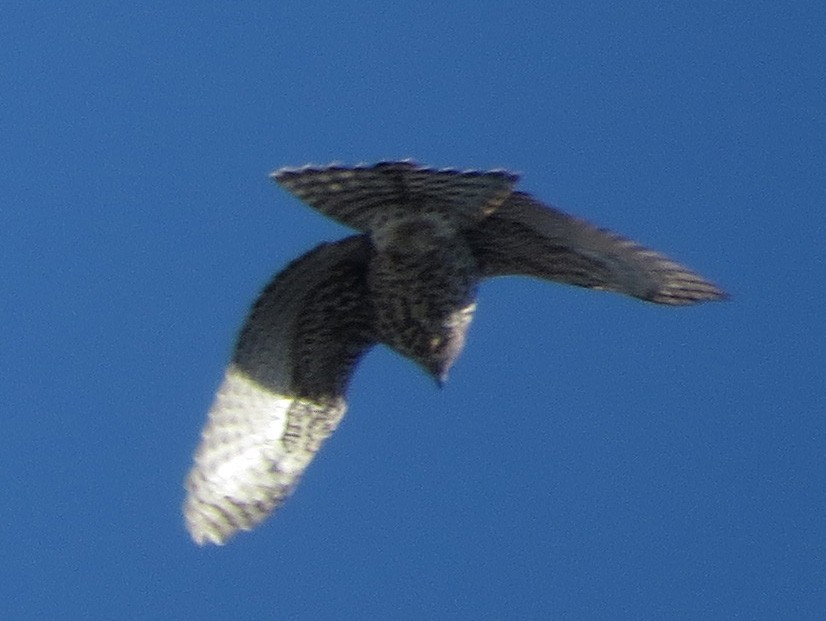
(407, 279)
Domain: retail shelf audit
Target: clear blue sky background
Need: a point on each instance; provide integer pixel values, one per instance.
(591, 457)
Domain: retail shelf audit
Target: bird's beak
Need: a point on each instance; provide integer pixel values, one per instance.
(440, 376)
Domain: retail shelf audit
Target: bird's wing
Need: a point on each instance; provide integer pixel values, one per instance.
(365, 197)
(526, 237)
(283, 393)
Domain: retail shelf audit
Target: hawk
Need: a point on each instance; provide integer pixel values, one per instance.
(408, 279)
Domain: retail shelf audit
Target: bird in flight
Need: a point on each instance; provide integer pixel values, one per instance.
(408, 279)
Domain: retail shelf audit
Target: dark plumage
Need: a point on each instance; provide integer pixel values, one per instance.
(408, 280)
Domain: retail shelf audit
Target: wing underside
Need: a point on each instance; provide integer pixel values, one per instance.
(525, 237)
(283, 393)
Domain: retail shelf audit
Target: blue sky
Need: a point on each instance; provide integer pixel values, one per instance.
(591, 457)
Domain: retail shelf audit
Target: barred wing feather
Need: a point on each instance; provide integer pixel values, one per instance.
(526, 237)
(283, 393)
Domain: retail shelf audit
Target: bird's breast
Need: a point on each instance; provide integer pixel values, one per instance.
(424, 288)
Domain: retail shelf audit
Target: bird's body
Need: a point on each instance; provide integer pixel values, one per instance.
(423, 286)
(407, 280)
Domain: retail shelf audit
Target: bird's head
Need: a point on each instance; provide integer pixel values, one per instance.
(435, 348)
